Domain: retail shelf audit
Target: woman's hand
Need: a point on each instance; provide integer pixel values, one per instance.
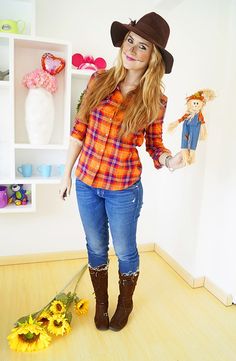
(65, 187)
(176, 162)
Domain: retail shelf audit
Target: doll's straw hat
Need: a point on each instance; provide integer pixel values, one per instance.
(151, 27)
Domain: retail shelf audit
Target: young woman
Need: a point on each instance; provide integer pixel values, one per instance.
(121, 107)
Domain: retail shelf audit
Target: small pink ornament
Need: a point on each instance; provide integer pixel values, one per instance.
(77, 59)
(100, 63)
(88, 62)
(52, 64)
(88, 59)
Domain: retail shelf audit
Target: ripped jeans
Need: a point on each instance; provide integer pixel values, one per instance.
(120, 209)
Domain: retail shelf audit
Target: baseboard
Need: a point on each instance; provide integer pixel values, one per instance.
(193, 282)
(225, 298)
(221, 295)
(59, 256)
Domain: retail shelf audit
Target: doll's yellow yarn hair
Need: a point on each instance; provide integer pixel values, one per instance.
(204, 95)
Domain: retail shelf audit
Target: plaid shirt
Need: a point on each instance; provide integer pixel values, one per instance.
(106, 161)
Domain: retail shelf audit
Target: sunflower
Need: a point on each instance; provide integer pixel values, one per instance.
(58, 325)
(81, 307)
(57, 307)
(28, 337)
(43, 318)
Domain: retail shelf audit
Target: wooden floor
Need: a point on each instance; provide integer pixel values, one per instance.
(170, 322)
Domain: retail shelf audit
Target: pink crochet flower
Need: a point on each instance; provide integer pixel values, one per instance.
(40, 79)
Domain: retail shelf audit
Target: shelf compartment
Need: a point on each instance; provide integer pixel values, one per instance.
(4, 58)
(28, 55)
(6, 135)
(29, 207)
(19, 9)
(37, 157)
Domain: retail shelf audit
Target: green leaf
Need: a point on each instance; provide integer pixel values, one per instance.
(80, 100)
(69, 316)
(22, 320)
(62, 297)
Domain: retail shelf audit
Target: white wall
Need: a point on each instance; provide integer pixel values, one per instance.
(217, 246)
(189, 213)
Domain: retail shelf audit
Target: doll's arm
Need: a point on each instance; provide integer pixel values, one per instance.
(203, 132)
(172, 126)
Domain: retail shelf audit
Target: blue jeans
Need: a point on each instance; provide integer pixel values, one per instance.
(120, 209)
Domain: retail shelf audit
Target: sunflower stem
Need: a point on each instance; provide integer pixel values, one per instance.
(80, 273)
(79, 278)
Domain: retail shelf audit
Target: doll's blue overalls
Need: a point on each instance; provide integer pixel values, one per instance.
(190, 132)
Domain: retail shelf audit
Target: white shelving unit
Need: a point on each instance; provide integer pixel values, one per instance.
(22, 54)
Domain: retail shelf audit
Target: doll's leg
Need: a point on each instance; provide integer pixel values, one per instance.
(194, 135)
(185, 135)
(186, 155)
(185, 142)
(192, 156)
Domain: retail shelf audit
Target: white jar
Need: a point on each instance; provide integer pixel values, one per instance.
(39, 115)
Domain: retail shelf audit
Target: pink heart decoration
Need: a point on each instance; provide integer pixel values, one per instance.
(52, 64)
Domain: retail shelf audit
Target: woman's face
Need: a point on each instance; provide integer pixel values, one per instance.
(136, 52)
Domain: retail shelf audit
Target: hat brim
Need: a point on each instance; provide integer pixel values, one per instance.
(118, 32)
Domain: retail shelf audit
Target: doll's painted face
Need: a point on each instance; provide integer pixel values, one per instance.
(194, 105)
(136, 52)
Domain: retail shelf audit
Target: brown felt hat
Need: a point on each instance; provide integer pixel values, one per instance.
(151, 27)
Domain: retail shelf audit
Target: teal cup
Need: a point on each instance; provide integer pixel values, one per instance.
(61, 169)
(45, 170)
(25, 170)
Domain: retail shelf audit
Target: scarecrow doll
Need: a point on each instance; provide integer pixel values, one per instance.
(193, 123)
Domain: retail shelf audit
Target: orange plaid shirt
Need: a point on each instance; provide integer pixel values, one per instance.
(106, 161)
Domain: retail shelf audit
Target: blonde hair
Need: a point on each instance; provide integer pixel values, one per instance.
(141, 106)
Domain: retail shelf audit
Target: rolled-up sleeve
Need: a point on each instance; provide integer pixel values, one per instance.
(153, 137)
(79, 130)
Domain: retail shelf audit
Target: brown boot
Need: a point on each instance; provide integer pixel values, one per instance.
(125, 303)
(99, 279)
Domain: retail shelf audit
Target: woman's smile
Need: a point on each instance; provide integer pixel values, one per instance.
(129, 58)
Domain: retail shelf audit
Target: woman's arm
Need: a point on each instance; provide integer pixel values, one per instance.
(73, 152)
(154, 145)
(153, 136)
